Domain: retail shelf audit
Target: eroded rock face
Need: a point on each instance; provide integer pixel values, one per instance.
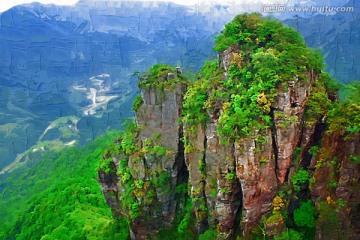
(212, 167)
(226, 180)
(153, 168)
(336, 177)
(110, 189)
(289, 109)
(255, 163)
(263, 162)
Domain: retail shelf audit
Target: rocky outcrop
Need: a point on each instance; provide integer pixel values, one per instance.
(262, 162)
(226, 179)
(214, 186)
(142, 183)
(336, 187)
(255, 164)
(288, 112)
(244, 138)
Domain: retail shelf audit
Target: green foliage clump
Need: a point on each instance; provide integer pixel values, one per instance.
(313, 150)
(134, 209)
(138, 101)
(332, 86)
(158, 76)
(128, 198)
(162, 180)
(275, 218)
(230, 176)
(184, 223)
(208, 234)
(296, 154)
(181, 189)
(299, 178)
(201, 95)
(161, 151)
(156, 71)
(319, 103)
(290, 234)
(128, 147)
(328, 217)
(124, 171)
(107, 165)
(304, 216)
(157, 136)
(139, 183)
(355, 159)
(344, 118)
(127, 141)
(201, 167)
(150, 148)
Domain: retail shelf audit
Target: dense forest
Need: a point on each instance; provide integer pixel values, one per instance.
(59, 197)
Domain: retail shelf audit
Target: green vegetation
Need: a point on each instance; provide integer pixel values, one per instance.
(151, 148)
(304, 218)
(299, 178)
(344, 118)
(270, 56)
(138, 101)
(296, 155)
(59, 198)
(106, 165)
(201, 95)
(328, 216)
(183, 224)
(128, 147)
(208, 234)
(230, 176)
(158, 75)
(313, 150)
(355, 159)
(304, 215)
(318, 104)
(127, 144)
(290, 234)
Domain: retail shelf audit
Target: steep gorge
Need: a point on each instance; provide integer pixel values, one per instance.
(239, 150)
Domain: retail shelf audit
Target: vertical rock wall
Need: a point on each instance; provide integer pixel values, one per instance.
(288, 116)
(153, 167)
(336, 177)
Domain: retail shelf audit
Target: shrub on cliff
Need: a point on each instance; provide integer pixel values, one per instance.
(344, 118)
(162, 76)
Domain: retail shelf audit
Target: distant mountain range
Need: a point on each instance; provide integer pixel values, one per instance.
(66, 73)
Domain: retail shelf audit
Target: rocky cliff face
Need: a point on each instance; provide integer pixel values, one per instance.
(150, 163)
(238, 178)
(240, 145)
(336, 177)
